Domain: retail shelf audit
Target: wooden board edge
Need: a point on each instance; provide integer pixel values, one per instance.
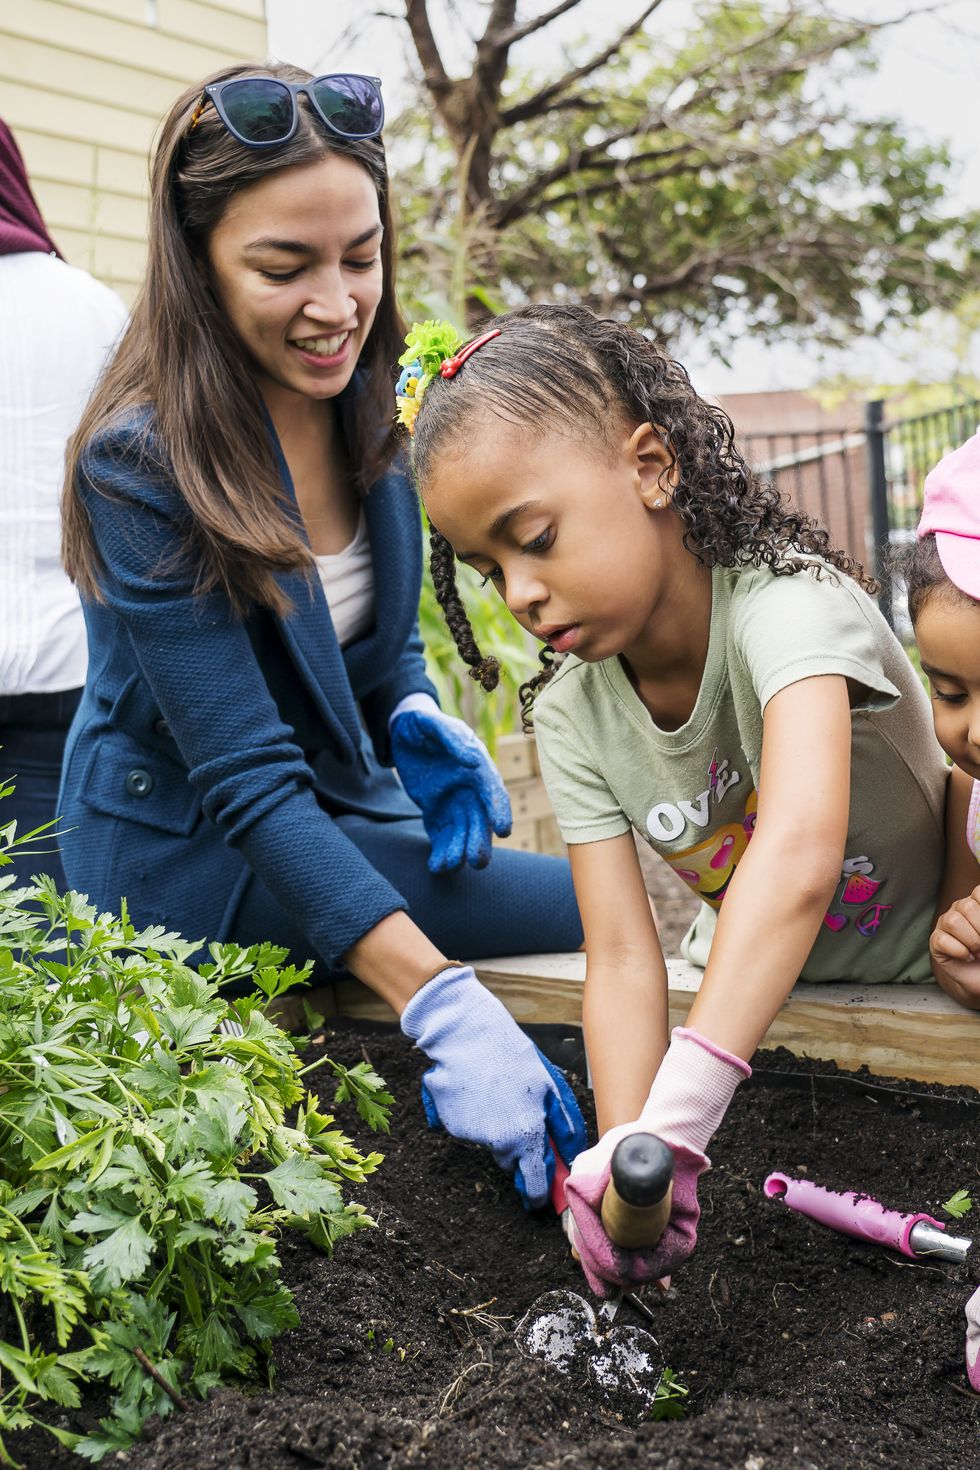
(926, 1039)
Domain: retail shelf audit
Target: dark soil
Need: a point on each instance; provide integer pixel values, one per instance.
(800, 1348)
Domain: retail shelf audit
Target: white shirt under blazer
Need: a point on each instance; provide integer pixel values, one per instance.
(347, 578)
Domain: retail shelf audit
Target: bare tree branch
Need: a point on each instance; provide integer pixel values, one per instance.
(541, 101)
(752, 43)
(491, 49)
(518, 33)
(583, 160)
(625, 180)
(534, 106)
(577, 104)
(802, 61)
(754, 253)
(597, 158)
(435, 76)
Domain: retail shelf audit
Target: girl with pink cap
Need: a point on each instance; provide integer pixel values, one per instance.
(943, 581)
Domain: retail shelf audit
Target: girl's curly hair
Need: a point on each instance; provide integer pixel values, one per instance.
(566, 369)
(925, 576)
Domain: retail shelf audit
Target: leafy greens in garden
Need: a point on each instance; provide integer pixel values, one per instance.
(149, 1162)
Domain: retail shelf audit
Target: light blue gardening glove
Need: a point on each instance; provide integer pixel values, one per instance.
(448, 773)
(489, 1083)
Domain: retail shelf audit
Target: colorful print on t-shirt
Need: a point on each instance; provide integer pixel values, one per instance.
(857, 891)
(709, 866)
(690, 792)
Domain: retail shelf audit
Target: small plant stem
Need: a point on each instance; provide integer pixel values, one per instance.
(20, 1225)
(159, 1379)
(25, 1336)
(320, 1062)
(17, 1127)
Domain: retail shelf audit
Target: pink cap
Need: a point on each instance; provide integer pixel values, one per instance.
(951, 508)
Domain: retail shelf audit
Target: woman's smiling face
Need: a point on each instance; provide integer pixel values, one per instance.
(570, 534)
(296, 266)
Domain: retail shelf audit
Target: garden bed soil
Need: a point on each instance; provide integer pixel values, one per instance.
(800, 1348)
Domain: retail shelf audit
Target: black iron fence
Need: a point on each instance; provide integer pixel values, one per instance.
(901, 452)
(863, 480)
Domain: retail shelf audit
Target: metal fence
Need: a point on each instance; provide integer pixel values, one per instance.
(863, 481)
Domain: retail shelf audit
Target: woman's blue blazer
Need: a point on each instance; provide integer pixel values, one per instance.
(208, 748)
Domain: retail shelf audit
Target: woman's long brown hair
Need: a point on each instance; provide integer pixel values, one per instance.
(180, 357)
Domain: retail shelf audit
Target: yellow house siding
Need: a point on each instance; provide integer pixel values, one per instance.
(84, 85)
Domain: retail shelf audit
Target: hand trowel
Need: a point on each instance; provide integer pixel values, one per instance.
(562, 1328)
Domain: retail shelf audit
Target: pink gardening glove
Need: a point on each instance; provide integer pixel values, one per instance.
(972, 1340)
(687, 1102)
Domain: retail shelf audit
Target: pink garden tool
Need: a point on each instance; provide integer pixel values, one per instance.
(867, 1219)
(563, 1329)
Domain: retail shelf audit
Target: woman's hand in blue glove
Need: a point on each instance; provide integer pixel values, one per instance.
(448, 773)
(489, 1083)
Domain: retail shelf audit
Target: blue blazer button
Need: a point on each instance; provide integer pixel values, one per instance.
(162, 728)
(139, 782)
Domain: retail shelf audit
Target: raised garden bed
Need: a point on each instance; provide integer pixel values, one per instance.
(800, 1348)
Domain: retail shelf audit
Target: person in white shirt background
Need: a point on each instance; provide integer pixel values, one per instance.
(57, 324)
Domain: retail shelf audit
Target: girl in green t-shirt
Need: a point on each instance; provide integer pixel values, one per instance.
(726, 686)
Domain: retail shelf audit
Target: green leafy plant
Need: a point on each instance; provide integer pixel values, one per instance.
(150, 1162)
(669, 1399)
(958, 1205)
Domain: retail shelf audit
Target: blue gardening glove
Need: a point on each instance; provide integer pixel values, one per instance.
(448, 773)
(489, 1083)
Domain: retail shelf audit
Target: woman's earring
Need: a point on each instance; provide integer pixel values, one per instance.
(658, 504)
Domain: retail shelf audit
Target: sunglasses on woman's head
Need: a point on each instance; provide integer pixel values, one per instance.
(263, 111)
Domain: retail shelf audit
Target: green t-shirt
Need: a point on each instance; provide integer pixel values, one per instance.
(691, 793)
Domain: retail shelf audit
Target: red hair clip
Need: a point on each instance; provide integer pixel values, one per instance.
(452, 365)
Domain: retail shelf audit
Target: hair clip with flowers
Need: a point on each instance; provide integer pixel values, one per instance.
(433, 349)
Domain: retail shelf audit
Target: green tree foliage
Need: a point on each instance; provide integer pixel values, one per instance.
(716, 179)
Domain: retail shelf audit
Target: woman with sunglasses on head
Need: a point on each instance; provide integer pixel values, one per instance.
(249, 558)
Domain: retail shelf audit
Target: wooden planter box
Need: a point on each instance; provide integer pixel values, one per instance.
(535, 829)
(910, 1031)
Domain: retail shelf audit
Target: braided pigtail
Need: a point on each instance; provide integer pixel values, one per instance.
(550, 662)
(442, 564)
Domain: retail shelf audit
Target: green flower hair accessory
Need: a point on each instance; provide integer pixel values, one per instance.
(429, 344)
(427, 347)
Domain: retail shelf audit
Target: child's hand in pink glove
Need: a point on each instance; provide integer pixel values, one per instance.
(973, 1340)
(609, 1267)
(687, 1102)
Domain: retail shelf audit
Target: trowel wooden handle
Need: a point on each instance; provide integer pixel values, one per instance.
(636, 1204)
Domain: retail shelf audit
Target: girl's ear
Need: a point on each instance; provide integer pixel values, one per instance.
(655, 465)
